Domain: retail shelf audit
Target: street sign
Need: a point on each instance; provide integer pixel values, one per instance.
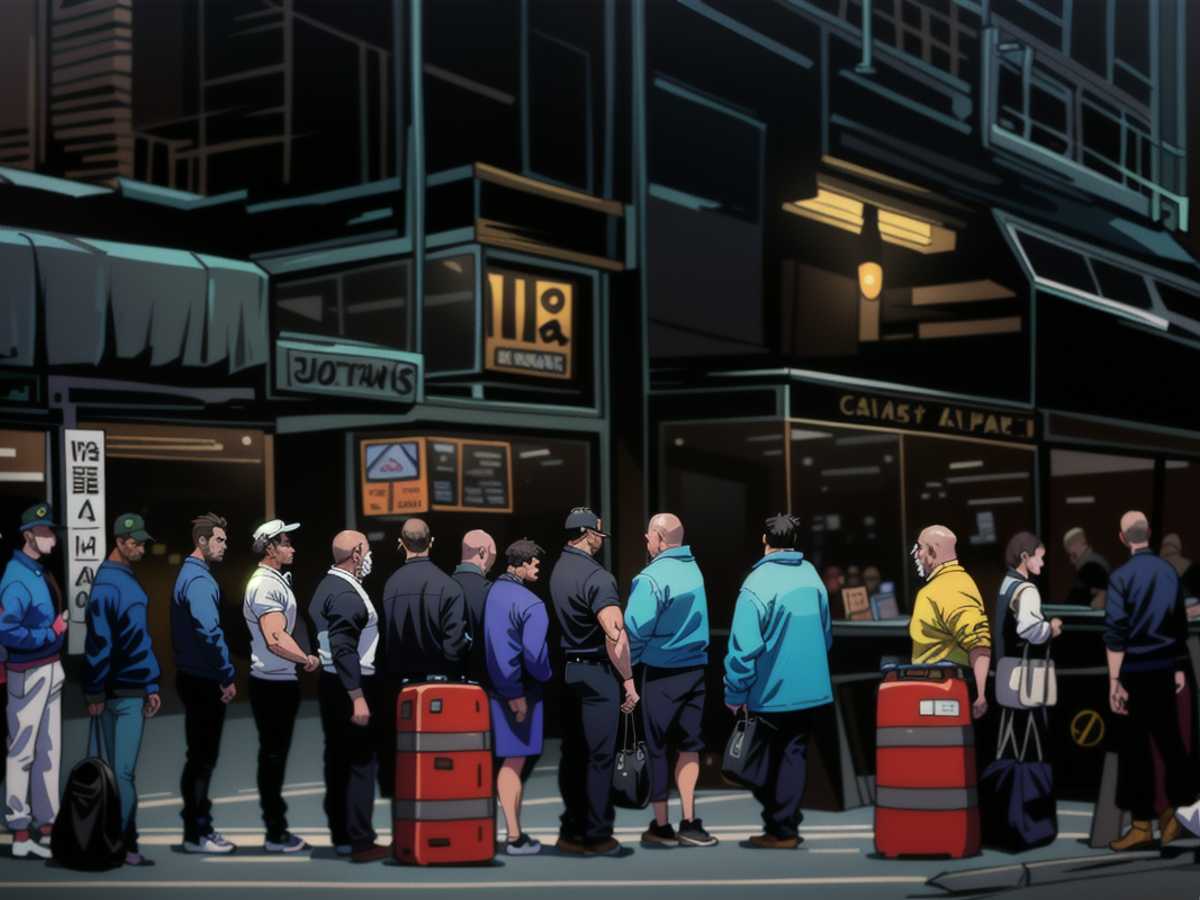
(83, 476)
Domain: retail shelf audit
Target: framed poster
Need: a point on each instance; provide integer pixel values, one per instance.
(393, 476)
(528, 325)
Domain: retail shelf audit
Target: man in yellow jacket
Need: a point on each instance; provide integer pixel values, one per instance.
(949, 622)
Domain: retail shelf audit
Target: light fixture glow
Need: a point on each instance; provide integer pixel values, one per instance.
(870, 279)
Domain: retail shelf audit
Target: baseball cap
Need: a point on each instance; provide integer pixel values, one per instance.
(274, 528)
(38, 514)
(131, 525)
(582, 517)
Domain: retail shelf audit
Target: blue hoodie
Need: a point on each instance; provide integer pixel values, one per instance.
(120, 657)
(196, 633)
(778, 659)
(27, 614)
(667, 616)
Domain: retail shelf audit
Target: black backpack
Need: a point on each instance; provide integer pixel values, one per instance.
(87, 833)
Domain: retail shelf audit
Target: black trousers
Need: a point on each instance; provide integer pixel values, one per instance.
(672, 708)
(275, 704)
(590, 713)
(780, 798)
(349, 765)
(203, 722)
(1152, 716)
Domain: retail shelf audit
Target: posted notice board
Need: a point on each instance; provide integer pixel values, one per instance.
(402, 476)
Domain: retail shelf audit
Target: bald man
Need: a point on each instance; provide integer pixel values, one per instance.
(667, 624)
(1091, 570)
(1145, 633)
(478, 557)
(347, 629)
(949, 621)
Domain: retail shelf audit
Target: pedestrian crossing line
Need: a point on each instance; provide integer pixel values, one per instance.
(835, 850)
(604, 884)
(142, 797)
(273, 858)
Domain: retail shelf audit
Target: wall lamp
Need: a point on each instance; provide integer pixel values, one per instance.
(870, 270)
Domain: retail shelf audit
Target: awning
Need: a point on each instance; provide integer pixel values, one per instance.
(104, 299)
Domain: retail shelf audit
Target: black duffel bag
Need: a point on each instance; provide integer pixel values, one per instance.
(747, 760)
(1016, 794)
(631, 771)
(87, 834)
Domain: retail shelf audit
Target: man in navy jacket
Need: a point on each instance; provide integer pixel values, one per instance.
(121, 673)
(1145, 633)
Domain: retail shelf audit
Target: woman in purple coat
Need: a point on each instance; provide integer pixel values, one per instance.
(518, 663)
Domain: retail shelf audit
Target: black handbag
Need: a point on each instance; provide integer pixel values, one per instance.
(747, 760)
(1016, 794)
(631, 772)
(87, 833)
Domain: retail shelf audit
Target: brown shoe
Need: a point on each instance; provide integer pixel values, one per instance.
(371, 853)
(1138, 837)
(770, 842)
(570, 847)
(607, 847)
(1169, 828)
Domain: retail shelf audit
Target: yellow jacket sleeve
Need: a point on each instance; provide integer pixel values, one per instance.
(967, 620)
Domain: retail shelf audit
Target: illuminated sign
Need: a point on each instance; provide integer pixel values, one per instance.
(528, 325)
(409, 475)
(310, 365)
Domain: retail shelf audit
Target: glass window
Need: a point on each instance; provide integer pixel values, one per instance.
(984, 493)
(723, 480)
(1122, 285)
(1091, 491)
(22, 479)
(1057, 264)
(1179, 542)
(369, 304)
(449, 314)
(846, 490)
(560, 103)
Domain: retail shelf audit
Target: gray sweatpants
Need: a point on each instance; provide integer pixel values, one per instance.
(34, 746)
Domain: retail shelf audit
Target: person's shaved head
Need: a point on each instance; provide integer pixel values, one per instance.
(669, 526)
(936, 546)
(479, 549)
(1135, 530)
(345, 543)
(415, 536)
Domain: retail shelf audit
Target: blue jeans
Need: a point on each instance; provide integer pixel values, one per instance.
(121, 724)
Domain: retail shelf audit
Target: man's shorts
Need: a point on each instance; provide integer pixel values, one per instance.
(673, 709)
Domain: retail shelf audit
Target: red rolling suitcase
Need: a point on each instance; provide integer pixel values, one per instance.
(444, 812)
(926, 801)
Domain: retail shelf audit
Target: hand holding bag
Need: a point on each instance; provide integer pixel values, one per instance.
(631, 772)
(747, 759)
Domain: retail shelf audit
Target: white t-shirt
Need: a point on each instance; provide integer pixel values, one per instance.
(368, 640)
(268, 591)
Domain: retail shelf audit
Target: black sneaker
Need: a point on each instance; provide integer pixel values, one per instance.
(692, 834)
(660, 834)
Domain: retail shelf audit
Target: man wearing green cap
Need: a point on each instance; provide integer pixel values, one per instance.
(31, 630)
(121, 674)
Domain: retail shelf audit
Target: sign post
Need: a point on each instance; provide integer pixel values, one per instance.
(83, 462)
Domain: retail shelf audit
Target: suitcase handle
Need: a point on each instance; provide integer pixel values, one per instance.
(444, 763)
(931, 672)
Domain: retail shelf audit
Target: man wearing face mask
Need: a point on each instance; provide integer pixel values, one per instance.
(949, 622)
(348, 635)
(270, 613)
(31, 630)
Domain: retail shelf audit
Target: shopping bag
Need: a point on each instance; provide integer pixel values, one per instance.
(631, 773)
(1026, 683)
(87, 833)
(1016, 794)
(747, 760)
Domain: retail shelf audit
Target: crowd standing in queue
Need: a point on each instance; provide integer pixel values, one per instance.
(430, 625)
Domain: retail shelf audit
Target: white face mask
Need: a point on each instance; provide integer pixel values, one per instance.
(917, 561)
(364, 568)
(45, 545)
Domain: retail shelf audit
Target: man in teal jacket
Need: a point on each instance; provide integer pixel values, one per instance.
(777, 669)
(667, 624)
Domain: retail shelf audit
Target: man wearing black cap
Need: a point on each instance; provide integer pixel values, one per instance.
(596, 650)
(31, 630)
(121, 673)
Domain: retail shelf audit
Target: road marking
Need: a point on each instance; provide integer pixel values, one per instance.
(243, 797)
(152, 796)
(602, 884)
(834, 850)
(274, 858)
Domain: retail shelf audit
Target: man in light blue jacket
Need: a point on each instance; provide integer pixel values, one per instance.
(667, 624)
(777, 669)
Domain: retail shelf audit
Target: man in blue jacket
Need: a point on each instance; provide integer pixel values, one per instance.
(777, 669)
(121, 672)
(204, 679)
(31, 630)
(667, 623)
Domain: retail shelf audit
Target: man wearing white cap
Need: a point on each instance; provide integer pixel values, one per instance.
(270, 613)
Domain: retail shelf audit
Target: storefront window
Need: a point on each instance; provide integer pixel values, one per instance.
(846, 491)
(1092, 491)
(982, 492)
(723, 480)
(22, 480)
(1181, 520)
(369, 304)
(449, 315)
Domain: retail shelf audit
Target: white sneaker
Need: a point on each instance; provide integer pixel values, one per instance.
(1189, 817)
(26, 849)
(210, 843)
